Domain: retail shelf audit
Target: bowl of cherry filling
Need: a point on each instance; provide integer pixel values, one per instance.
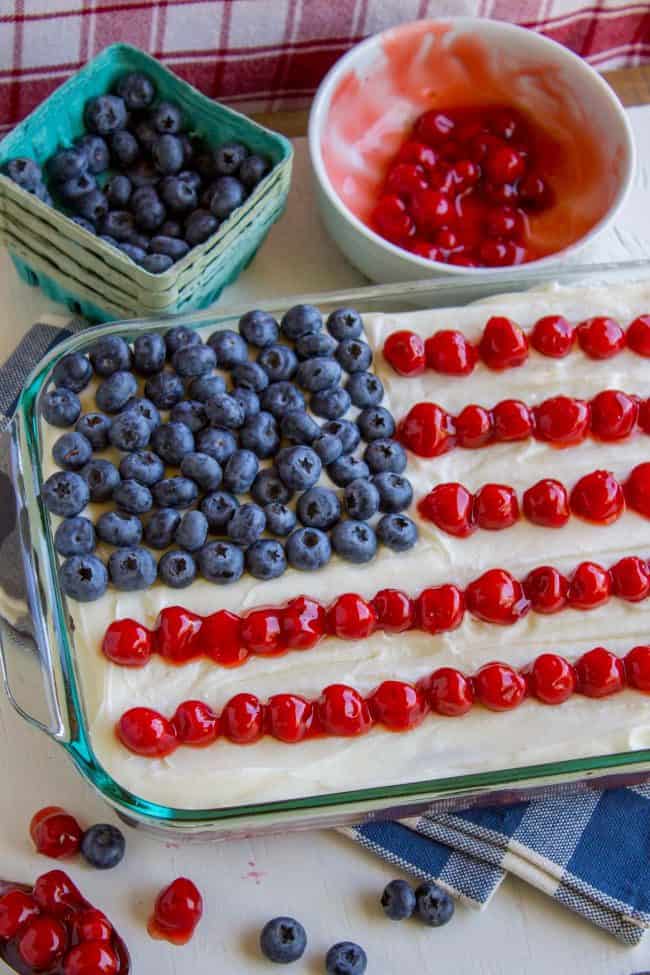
(465, 146)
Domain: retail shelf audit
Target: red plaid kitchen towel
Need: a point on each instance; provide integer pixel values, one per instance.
(268, 54)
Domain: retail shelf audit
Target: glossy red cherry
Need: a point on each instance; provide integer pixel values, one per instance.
(591, 586)
(404, 351)
(427, 430)
(512, 420)
(503, 344)
(547, 589)
(449, 352)
(405, 179)
(178, 910)
(495, 507)
(465, 173)
(195, 724)
(440, 608)
(499, 252)
(289, 716)
(16, 908)
(601, 337)
(631, 579)
(562, 420)
(342, 711)
(637, 668)
(547, 503)
(505, 221)
(644, 415)
(474, 427)
(598, 497)
(505, 122)
(503, 164)
(451, 508)
(600, 673)
(55, 894)
(553, 336)
(146, 732)
(91, 958)
(431, 209)
(395, 610)
(128, 643)
(391, 219)
(220, 639)
(637, 490)
(496, 597)
(638, 336)
(398, 706)
(499, 687)
(350, 617)
(261, 631)
(417, 153)
(449, 692)
(551, 679)
(535, 193)
(614, 415)
(176, 634)
(435, 126)
(242, 719)
(41, 943)
(92, 925)
(55, 833)
(303, 623)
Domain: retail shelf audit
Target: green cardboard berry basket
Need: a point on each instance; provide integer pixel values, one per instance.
(95, 279)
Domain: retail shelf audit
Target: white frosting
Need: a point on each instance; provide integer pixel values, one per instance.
(226, 774)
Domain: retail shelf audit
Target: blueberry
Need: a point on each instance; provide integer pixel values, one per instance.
(375, 423)
(96, 152)
(346, 469)
(105, 114)
(331, 403)
(137, 90)
(282, 398)
(221, 562)
(175, 492)
(117, 224)
(328, 447)
(385, 455)
(72, 451)
(280, 520)
(397, 532)
(142, 466)
(60, 407)
(315, 344)
(299, 467)
(145, 134)
(259, 328)
(218, 443)
(246, 525)
(319, 507)
(115, 391)
(93, 206)
(83, 577)
(219, 508)
(75, 536)
(265, 559)
(84, 224)
(177, 569)
(192, 531)
(119, 529)
(95, 427)
(150, 215)
(110, 354)
(202, 469)
(65, 493)
(171, 228)
(102, 478)
(167, 154)
(102, 846)
(299, 427)
(395, 492)
(260, 434)
(132, 568)
(240, 471)
(204, 388)
(159, 530)
(25, 172)
(167, 117)
(144, 408)
(135, 253)
(142, 196)
(225, 411)
(283, 940)
(354, 541)
(365, 389)
(179, 195)
(149, 353)
(189, 175)
(171, 246)
(301, 320)
(76, 188)
(156, 263)
(249, 400)
(199, 226)
(229, 347)
(165, 390)
(42, 193)
(133, 497)
(253, 170)
(191, 413)
(268, 487)
(194, 360)
(67, 164)
(308, 549)
(354, 355)
(318, 373)
(278, 362)
(229, 157)
(346, 958)
(251, 375)
(434, 906)
(125, 148)
(361, 499)
(228, 194)
(181, 337)
(346, 431)
(398, 900)
(143, 175)
(345, 323)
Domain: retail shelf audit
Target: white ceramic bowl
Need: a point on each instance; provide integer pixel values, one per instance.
(367, 103)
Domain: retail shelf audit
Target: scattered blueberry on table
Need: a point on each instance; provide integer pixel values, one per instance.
(283, 940)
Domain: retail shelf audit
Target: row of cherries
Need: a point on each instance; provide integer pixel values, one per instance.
(343, 712)
(597, 497)
(504, 345)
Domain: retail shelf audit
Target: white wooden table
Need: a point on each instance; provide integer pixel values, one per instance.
(331, 885)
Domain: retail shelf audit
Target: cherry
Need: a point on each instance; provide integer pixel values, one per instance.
(405, 179)
(41, 942)
(449, 352)
(261, 631)
(451, 508)
(16, 908)
(496, 597)
(501, 193)
(503, 164)
(427, 430)
(447, 240)
(55, 893)
(481, 143)
(644, 415)
(512, 420)
(499, 687)
(553, 336)
(397, 705)
(535, 193)
(614, 415)
(600, 673)
(551, 679)
(500, 252)
(601, 337)
(178, 910)
(342, 711)
(562, 420)
(547, 503)
(424, 248)
(631, 579)
(465, 173)
(474, 427)
(303, 623)
(128, 643)
(195, 724)
(242, 719)
(547, 589)
(91, 958)
(417, 153)
(92, 925)
(440, 608)
(350, 617)
(504, 221)
(392, 220)
(637, 489)
(176, 634)
(598, 497)
(431, 209)
(496, 507)
(638, 336)
(220, 639)
(434, 126)
(637, 668)
(504, 122)
(146, 732)
(591, 586)
(449, 692)
(503, 344)
(289, 716)
(395, 610)
(55, 833)
(404, 351)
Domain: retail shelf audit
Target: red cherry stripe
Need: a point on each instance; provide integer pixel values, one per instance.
(503, 343)
(342, 711)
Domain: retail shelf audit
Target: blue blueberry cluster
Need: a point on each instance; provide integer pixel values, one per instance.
(223, 465)
(139, 181)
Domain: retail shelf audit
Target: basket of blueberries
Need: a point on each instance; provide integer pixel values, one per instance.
(128, 193)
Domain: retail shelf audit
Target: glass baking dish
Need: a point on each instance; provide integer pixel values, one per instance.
(40, 670)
